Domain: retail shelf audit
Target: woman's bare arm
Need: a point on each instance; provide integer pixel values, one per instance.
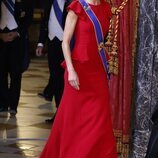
(70, 24)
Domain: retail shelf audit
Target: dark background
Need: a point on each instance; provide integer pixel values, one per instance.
(35, 26)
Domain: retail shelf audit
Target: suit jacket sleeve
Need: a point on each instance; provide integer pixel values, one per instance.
(24, 22)
(44, 23)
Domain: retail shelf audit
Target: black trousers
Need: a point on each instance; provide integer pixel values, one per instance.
(10, 73)
(55, 84)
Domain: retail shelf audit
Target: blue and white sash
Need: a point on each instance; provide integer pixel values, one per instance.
(58, 12)
(98, 33)
(9, 5)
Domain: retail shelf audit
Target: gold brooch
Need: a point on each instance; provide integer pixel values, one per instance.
(100, 46)
(86, 7)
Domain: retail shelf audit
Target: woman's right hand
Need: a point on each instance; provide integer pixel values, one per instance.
(73, 79)
(39, 51)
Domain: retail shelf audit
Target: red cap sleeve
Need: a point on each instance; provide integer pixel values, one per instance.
(77, 8)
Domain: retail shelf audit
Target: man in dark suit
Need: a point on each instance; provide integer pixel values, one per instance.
(15, 18)
(52, 29)
(152, 150)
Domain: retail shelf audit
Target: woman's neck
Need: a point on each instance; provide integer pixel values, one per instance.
(93, 2)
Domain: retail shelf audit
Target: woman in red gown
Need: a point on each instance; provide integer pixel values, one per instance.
(83, 127)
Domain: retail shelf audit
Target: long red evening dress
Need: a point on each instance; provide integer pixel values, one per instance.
(82, 127)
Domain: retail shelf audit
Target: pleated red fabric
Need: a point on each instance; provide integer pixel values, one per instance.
(83, 126)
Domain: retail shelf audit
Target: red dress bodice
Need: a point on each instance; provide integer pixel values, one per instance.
(85, 40)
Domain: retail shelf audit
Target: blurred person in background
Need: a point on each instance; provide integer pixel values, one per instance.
(51, 30)
(15, 19)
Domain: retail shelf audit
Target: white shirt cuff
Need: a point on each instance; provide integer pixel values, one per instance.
(40, 44)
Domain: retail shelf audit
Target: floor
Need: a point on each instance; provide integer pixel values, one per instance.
(24, 136)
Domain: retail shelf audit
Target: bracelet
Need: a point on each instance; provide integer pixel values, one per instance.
(70, 69)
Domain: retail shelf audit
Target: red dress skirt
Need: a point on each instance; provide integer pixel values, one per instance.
(82, 127)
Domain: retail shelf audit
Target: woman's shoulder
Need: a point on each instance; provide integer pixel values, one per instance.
(77, 8)
(105, 4)
(107, 8)
(74, 4)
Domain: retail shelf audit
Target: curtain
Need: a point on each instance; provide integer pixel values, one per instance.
(121, 84)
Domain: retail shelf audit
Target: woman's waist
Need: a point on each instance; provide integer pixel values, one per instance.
(84, 55)
(83, 52)
(89, 66)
